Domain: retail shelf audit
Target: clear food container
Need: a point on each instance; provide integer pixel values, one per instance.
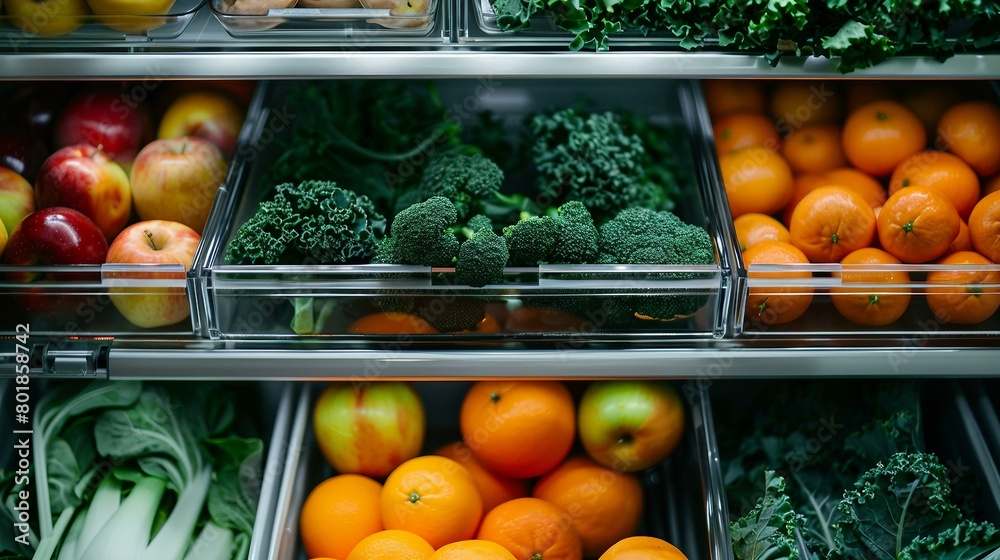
(271, 412)
(335, 19)
(946, 423)
(534, 304)
(26, 23)
(677, 505)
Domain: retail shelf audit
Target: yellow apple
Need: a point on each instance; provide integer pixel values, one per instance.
(153, 242)
(211, 115)
(47, 17)
(117, 14)
(17, 198)
(3, 238)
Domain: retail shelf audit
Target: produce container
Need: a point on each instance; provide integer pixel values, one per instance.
(479, 26)
(946, 422)
(930, 296)
(678, 492)
(267, 406)
(37, 24)
(246, 302)
(78, 302)
(339, 20)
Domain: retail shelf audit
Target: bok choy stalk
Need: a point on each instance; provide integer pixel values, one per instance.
(141, 472)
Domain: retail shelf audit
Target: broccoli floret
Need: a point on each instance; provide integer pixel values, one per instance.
(313, 221)
(641, 236)
(482, 258)
(576, 236)
(472, 182)
(590, 158)
(420, 235)
(529, 241)
(478, 223)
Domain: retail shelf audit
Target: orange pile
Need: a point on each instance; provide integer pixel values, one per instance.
(471, 498)
(870, 176)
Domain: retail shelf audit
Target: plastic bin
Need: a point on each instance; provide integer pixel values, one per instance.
(675, 508)
(79, 20)
(355, 24)
(247, 302)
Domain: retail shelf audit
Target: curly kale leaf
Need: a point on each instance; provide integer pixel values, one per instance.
(768, 531)
(965, 541)
(892, 505)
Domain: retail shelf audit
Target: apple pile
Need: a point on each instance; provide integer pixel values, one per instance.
(58, 17)
(112, 189)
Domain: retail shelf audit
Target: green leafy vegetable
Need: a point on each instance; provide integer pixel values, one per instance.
(768, 531)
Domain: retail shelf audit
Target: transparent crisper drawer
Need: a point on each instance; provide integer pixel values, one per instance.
(480, 27)
(542, 304)
(84, 301)
(867, 300)
(265, 408)
(946, 423)
(332, 20)
(676, 506)
(31, 23)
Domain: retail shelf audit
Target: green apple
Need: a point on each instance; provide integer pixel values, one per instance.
(17, 198)
(629, 426)
(47, 17)
(369, 428)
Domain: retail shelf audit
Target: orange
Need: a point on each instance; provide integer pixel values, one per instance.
(971, 130)
(918, 224)
(756, 180)
(489, 325)
(863, 92)
(831, 222)
(531, 529)
(874, 306)
(605, 506)
(859, 182)
(930, 101)
(969, 302)
(643, 548)
(991, 185)
(518, 429)
(338, 513)
(984, 227)
(814, 148)
(433, 497)
(391, 322)
(398, 545)
(801, 186)
(472, 549)
(942, 171)
(797, 103)
(742, 130)
(730, 96)
(880, 135)
(543, 319)
(493, 488)
(776, 305)
(964, 240)
(753, 228)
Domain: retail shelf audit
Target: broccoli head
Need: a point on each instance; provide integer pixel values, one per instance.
(529, 241)
(312, 221)
(576, 236)
(472, 182)
(451, 312)
(482, 258)
(590, 158)
(420, 235)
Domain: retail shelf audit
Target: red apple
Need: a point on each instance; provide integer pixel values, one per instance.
(153, 242)
(22, 152)
(175, 179)
(111, 120)
(369, 428)
(84, 178)
(53, 236)
(629, 426)
(207, 114)
(17, 200)
(34, 106)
